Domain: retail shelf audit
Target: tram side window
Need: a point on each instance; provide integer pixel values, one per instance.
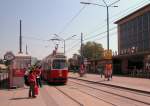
(49, 65)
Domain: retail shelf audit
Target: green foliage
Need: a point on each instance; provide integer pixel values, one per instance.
(93, 50)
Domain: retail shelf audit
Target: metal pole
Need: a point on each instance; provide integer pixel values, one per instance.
(81, 48)
(107, 27)
(95, 56)
(82, 63)
(26, 49)
(107, 6)
(20, 40)
(64, 47)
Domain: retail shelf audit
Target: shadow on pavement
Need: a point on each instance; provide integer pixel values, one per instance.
(97, 81)
(19, 98)
(53, 84)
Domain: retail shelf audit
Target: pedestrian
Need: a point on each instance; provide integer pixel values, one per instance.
(108, 71)
(100, 69)
(38, 76)
(32, 83)
(26, 78)
(74, 69)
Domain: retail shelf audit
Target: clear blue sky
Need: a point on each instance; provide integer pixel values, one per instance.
(42, 18)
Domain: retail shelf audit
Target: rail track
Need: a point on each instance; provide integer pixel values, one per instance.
(76, 101)
(114, 93)
(115, 86)
(86, 94)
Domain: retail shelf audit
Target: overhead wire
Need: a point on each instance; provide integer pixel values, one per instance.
(120, 12)
(120, 16)
(78, 15)
(73, 47)
(131, 10)
(106, 31)
(33, 38)
(99, 34)
(72, 19)
(102, 37)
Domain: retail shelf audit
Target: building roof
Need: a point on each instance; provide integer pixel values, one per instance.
(135, 12)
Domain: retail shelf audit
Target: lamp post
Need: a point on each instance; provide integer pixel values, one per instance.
(64, 40)
(107, 7)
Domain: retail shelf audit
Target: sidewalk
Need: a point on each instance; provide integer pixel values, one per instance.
(19, 97)
(125, 82)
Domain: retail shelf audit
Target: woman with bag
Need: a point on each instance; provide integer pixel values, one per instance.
(32, 83)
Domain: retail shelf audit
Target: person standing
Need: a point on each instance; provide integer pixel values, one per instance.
(26, 78)
(38, 76)
(100, 70)
(32, 82)
(108, 71)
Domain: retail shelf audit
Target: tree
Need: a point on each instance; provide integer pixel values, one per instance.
(92, 50)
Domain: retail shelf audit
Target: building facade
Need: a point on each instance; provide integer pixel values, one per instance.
(133, 42)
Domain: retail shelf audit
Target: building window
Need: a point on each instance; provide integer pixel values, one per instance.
(149, 22)
(139, 24)
(145, 22)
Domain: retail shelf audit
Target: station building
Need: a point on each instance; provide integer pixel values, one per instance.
(133, 43)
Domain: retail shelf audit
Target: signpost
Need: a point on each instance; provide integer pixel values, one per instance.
(9, 56)
(107, 54)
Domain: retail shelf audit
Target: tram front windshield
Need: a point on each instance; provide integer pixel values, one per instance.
(59, 64)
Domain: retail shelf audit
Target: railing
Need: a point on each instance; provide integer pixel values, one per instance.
(3, 80)
(140, 73)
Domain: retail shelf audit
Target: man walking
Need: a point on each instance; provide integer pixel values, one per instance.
(100, 69)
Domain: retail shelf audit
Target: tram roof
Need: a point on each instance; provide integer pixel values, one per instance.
(57, 55)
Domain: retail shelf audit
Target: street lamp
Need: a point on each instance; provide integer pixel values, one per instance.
(107, 7)
(64, 40)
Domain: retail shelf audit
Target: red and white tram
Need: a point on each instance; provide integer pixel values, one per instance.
(54, 68)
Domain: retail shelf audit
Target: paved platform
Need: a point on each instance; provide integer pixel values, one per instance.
(126, 82)
(19, 96)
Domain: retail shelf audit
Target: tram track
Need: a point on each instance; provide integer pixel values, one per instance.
(95, 97)
(76, 101)
(115, 86)
(108, 92)
(120, 88)
(98, 98)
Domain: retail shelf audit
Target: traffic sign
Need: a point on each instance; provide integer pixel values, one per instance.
(9, 56)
